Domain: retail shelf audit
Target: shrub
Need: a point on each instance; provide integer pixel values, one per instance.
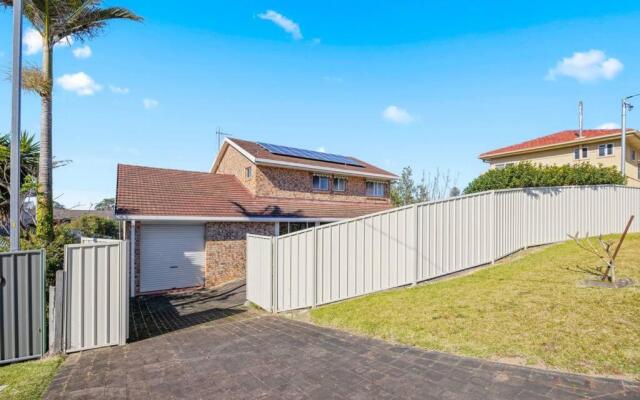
(62, 236)
(525, 174)
(95, 226)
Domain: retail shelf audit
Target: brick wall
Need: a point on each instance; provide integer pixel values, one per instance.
(281, 182)
(234, 163)
(226, 249)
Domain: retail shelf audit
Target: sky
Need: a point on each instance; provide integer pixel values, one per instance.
(403, 83)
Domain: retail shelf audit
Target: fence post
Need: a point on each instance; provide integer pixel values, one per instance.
(493, 237)
(274, 275)
(416, 245)
(314, 300)
(56, 307)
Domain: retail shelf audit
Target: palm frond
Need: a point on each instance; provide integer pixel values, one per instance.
(34, 80)
(90, 21)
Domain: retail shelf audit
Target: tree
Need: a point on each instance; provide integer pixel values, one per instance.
(402, 191)
(108, 204)
(454, 192)
(29, 150)
(526, 174)
(95, 226)
(431, 187)
(58, 20)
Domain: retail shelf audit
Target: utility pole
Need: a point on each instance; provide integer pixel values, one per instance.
(16, 78)
(626, 107)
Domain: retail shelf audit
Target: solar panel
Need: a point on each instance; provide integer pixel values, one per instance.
(309, 154)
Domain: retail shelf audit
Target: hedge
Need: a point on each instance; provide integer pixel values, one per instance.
(525, 174)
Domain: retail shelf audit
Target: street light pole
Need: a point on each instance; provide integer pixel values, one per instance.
(626, 106)
(16, 78)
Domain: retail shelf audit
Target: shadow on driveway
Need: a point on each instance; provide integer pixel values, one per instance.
(155, 315)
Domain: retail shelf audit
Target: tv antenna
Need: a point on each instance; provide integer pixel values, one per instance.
(220, 134)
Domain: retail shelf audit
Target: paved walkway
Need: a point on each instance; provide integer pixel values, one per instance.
(239, 354)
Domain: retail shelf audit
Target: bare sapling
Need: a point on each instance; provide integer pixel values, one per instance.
(606, 252)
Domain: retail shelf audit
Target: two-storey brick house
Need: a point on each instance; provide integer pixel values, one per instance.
(189, 228)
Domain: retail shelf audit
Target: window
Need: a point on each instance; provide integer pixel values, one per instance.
(339, 184)
(579, 153)
(248, 172)
(290, 227)
(320, 182)
(633, 155)
(375, 189)
(605, 149)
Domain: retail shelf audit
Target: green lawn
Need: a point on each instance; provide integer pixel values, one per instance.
(27, 380)
(530, 310)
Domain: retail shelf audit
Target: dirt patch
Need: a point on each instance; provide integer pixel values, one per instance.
(618, 284)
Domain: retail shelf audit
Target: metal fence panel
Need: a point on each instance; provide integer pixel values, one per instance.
(424, 241)
(96, 295)
(259, 271)
(22, 308)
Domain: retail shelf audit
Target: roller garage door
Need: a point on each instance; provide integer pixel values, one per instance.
(171, 256)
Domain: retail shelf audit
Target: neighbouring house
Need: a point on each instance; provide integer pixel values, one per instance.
(189, 228)
(597, 146)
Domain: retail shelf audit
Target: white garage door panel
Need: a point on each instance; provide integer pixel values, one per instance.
(172, 256)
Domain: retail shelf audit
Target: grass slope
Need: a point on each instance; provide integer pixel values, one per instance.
(27, 380)
(529, 311)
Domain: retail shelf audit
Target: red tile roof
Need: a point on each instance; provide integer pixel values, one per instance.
(167, 192)
(258, 151)
(557, 138)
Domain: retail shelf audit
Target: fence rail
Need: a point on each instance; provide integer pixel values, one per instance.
(22, 305)
(415, 243)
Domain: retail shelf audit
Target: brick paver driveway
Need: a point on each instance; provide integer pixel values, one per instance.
(207, 345)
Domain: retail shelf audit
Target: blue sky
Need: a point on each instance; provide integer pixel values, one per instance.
(394, 83)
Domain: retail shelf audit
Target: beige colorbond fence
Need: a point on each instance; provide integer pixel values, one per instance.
(411, 244)
(96, 296)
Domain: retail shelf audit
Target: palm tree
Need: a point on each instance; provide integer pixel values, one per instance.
(29, 150)
(58, 20)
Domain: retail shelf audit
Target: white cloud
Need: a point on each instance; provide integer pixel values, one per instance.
(150, 104)
(32, 40)
(82, 52)
(321, 149)
(283, 22)
(118, 89)
(591, 65)
(80, 83)
(397, 115)
(608, 125)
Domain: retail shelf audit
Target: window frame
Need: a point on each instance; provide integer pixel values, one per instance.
(605, 150)
(584, 152)
(576, 153)
(375, 184)
(633, 155)
(339, 178)
(248, 172)
(320, 178)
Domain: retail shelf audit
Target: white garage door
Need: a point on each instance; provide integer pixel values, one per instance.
(172, 256)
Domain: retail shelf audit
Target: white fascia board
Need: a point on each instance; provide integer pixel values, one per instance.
(306, 167)
(177, 218)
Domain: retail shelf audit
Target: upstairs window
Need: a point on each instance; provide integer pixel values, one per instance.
(605, 149)
(248, 172)
(579, 153)
(320, 182)
(633, 155)
(375, 189)
(339, 184)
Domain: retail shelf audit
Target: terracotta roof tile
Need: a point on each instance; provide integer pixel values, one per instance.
(258, 151)
(553, 139)
(167, 192)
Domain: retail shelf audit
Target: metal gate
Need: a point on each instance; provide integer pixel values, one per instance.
(22, 305)
(96, 295)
